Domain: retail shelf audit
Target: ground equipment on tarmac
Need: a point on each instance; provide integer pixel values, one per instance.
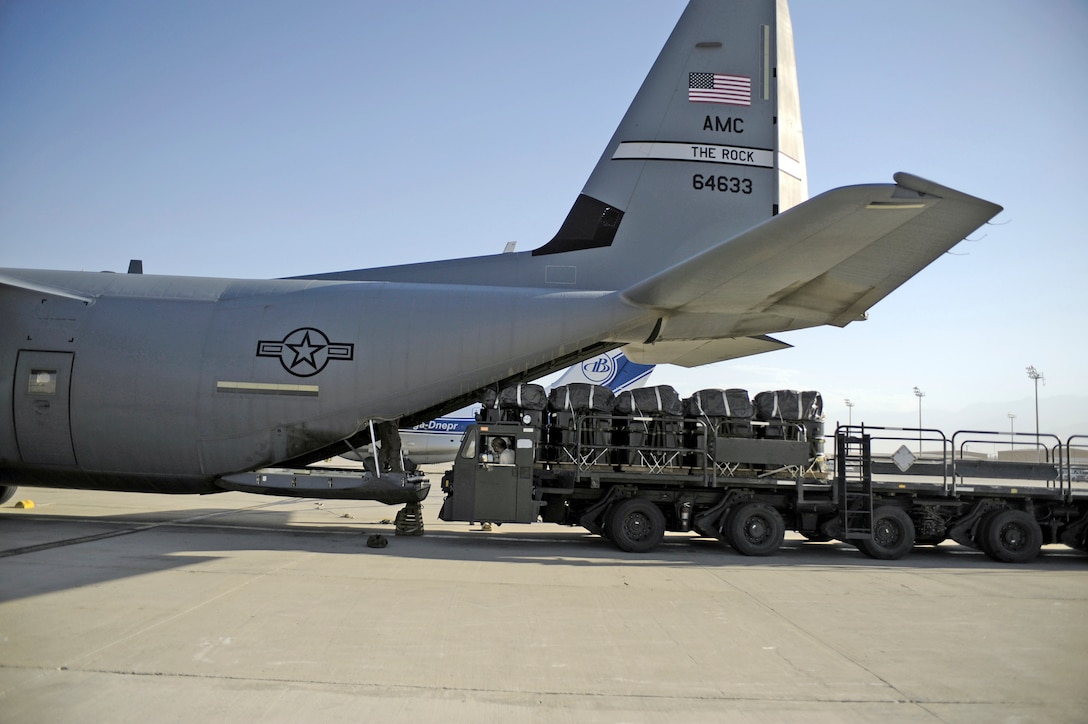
(724, 467)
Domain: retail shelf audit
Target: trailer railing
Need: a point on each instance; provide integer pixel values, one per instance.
(1073, 473)
(951, 464)
(922, 452)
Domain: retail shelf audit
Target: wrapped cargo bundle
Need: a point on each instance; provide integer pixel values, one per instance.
(732, 403)
(789, 405)
(793, 415)
(523, 397)
(643, 438)
(489, 407)
(582, 398)
(726, 412)
(490, 399)
(512, 403)
(579, 418)
(659, 401)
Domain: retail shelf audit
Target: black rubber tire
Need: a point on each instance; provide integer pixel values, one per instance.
(1011, 536)
(7, 492)
(1079, 543)
(982, 526)
(635, 525)
(930, 541)
(893, 534)
(754, 529)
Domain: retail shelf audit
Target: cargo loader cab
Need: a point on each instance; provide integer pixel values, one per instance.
(489, 491)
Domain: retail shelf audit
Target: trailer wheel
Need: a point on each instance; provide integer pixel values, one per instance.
(982, 526)
(754, 529)
(635, 525)
(1075, 535)
(893, 534)
(1010, 536)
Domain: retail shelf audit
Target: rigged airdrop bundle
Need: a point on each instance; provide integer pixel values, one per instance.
(654, 427)
(792, 415)
(524, 403)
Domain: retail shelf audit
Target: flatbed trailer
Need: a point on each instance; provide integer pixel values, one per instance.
(633, 478)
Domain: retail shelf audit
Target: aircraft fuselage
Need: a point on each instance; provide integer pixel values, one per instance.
(154, 383)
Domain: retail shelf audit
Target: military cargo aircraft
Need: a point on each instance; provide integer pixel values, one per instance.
(692, 240)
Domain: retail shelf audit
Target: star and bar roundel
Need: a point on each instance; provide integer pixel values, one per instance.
(306, 351)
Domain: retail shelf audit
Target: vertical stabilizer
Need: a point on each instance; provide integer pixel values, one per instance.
(611, 369)
(695, 160)
(792, 171)
(710, 147)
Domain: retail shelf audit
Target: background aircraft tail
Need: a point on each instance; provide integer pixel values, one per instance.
(611, 369)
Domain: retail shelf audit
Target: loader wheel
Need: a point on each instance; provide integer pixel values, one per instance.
(635, 525)
(1076, 536)
(1081, 545)
(754, 529)
(982, 526)
(893, 534)
(1010, 536)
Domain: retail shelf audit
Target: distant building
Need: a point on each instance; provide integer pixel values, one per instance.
(1028, 454)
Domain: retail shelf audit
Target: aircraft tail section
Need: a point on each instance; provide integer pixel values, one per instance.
(698, 213)
(710, 146)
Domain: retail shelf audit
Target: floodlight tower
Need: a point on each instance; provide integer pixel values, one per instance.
(1036, 375)
(849, 412)
(1012, 430)
(919, 394)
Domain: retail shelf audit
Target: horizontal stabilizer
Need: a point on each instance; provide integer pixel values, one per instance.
(700, 352)
(825, 261)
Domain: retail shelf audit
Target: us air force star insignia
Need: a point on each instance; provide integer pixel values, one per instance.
(306, 351)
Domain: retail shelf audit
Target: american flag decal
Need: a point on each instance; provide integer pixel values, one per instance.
(735, 90)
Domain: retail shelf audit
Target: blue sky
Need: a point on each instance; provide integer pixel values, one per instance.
(267, 139)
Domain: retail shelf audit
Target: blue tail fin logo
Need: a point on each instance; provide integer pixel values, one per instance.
(611, 369)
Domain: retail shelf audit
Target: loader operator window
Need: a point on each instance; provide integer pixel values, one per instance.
(498, 451)
(468, 447)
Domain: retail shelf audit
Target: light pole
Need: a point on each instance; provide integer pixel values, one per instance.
(919, 394)
(1036, 375)
(1012, 431)
(849, 412)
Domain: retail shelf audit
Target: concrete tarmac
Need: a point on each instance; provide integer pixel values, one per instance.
(126, 607)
